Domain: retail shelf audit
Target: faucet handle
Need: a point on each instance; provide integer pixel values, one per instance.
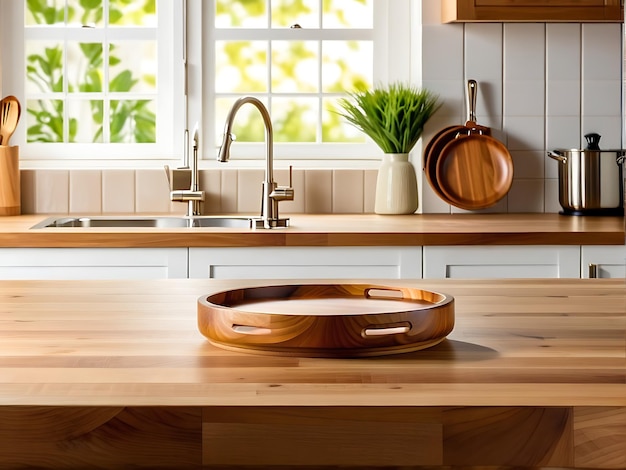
(284, 193)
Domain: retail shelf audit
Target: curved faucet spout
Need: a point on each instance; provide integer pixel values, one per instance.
(224, 153)
(272, 194)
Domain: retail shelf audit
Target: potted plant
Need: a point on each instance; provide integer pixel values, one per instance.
(393, 116)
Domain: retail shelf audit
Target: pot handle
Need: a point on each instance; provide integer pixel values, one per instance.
(557, 156)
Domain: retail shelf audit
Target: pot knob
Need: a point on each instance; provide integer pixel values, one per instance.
(593, 141)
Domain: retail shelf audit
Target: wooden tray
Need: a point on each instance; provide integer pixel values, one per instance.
(326, 320)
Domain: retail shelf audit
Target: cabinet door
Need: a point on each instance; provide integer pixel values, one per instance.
(603, 261)
(306, 263)
(532, 10)
(93, 263)
(500, 262)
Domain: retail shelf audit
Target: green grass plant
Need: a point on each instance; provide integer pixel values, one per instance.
(393, 116)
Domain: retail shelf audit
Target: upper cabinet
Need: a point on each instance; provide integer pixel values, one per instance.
(532, 11)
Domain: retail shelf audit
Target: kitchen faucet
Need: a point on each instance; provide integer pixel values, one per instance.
(184, 181)
(271, 193)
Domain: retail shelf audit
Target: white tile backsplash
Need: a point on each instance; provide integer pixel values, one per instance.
(526, 195)
(562, 132)
(452, 96)
(601, 51)
(602, 98)
(524, 98)
(609, 127)
(563, 51)
(524, 51)
(563, 97)
(528, 164)
(483, 52)
(442, 52)
(525, 132)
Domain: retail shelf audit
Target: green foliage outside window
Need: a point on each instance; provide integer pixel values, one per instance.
(295, 101)
(130, 121)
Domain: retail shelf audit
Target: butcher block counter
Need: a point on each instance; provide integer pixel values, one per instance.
(115, 374)
(337, 230)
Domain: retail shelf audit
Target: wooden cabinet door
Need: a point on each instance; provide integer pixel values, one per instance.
(532, 10)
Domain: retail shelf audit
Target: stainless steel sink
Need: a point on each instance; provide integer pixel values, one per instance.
(153, 222)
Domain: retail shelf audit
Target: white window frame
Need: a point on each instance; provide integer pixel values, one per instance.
(392, 46)
(169, 109)
(190, 95)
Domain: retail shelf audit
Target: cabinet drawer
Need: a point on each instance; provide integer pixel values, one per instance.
(603, 261)
(306, 263)
(93, 263)
(489, 262)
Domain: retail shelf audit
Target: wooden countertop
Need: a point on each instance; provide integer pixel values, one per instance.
(121, 343)
(337, 230)
(115, 374)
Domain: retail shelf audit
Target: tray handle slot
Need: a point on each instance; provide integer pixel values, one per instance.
(251, 330)
(383, 293)
(382, 330)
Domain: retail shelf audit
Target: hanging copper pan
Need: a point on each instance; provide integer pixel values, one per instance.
(444, 136)
(474, 171)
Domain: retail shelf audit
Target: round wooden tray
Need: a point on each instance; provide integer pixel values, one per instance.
(326, 320)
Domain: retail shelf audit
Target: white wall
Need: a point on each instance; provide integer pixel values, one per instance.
(541, 86)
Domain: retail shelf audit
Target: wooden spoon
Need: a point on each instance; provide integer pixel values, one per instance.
(10, 111)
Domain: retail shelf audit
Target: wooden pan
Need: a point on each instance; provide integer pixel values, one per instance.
(326, 320)
(438, 142)
(432, 151)
(474, 171)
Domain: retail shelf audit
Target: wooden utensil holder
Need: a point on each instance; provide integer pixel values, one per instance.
(10, 181)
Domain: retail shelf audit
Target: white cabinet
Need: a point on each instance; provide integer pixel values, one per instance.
(603, 261)
(473, 262)
(93, 263)
(337, 262)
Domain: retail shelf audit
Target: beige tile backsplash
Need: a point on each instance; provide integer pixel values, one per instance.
(85, 191)
(118, 191)
(121, 191)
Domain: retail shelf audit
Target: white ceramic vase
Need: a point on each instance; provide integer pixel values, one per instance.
(396, 185)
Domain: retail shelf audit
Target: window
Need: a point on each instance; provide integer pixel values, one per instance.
(298, 57)
(120, 80)
(100, 78)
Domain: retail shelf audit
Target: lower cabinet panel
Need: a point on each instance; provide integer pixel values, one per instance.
(603, 261)
(489, 262)
(93, 263)
(306, 263)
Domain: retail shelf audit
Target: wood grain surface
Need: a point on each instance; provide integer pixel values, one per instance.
(326, 320)
(338, 230)
(116, 374)
(9, 180)
(474, 171)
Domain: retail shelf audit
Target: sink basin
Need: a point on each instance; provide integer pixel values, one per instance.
(154, 222)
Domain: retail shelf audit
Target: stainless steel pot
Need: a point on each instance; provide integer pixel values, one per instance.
(591, 181)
